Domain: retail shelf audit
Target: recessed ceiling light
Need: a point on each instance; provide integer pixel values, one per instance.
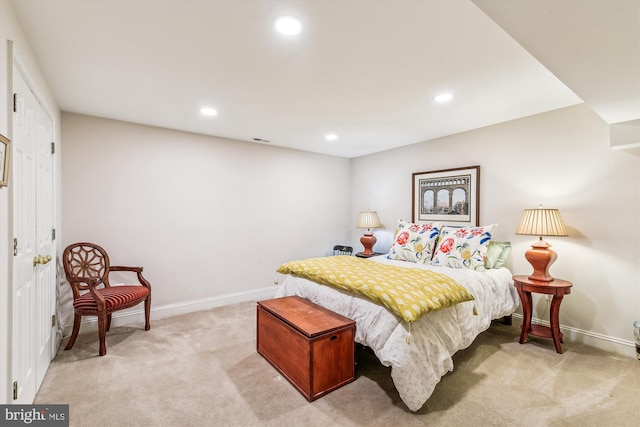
(207, 111)
(331, 137)
(287, 25)
(443, 97)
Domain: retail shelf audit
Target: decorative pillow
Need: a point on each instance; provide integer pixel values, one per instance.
(497, 254)
(463, 247)
(414, 242)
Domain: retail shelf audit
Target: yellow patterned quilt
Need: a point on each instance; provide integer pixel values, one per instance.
(407, 292)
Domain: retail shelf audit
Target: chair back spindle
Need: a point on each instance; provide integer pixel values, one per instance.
(342, 250)
(86, 261)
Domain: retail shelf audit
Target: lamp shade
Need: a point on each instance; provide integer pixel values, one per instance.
(541, 222)
(368, 220)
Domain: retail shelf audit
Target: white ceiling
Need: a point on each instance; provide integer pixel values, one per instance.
(364, 70)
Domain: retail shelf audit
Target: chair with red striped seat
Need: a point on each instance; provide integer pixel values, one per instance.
(87, 268)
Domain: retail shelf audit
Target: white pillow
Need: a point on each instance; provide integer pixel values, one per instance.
(463, 247)
(414, 242)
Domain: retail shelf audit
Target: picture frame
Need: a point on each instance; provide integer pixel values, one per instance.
(5, 153)
(448, 196)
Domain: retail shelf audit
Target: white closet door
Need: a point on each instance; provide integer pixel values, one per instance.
(33, 278)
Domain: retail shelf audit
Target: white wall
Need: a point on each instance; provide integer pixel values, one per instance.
(562, 160)
(206, 217)
(14, 42)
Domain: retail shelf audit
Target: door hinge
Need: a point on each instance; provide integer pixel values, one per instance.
(15, 390)
(53, 320)
(15, 102)
(53, 148)
(53, 234)
(15, 246)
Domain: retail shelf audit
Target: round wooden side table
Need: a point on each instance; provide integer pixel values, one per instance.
(558, 288)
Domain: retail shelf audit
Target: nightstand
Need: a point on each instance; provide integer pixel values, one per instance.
(362, 255)
(558, 288)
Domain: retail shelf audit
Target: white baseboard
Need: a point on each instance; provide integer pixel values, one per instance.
(137, 316)
(602, 342)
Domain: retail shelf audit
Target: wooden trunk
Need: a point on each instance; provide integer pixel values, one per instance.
(310, 346)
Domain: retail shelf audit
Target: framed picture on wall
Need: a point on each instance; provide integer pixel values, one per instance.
(449, 196)
(5, 152)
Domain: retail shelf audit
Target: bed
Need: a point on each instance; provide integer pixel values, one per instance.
(419, 352)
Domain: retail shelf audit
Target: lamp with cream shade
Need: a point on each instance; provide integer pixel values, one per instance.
(541, 222)
(368, 220)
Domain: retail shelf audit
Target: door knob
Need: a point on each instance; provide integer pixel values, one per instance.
(41, 259)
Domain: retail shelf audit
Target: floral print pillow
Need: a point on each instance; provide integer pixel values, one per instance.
(463, 247)
(414, 242)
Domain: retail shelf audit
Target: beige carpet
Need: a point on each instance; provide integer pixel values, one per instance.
(202, 369)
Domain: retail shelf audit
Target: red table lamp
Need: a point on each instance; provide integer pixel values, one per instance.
(368, 220)
(541, 222)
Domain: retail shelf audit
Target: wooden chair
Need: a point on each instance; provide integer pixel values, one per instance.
(87, 268)
(342, 250)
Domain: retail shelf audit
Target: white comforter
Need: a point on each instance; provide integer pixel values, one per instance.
(419, 354)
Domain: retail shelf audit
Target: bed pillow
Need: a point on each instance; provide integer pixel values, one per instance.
(414, 242)
(497, 254)
(463, 247)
